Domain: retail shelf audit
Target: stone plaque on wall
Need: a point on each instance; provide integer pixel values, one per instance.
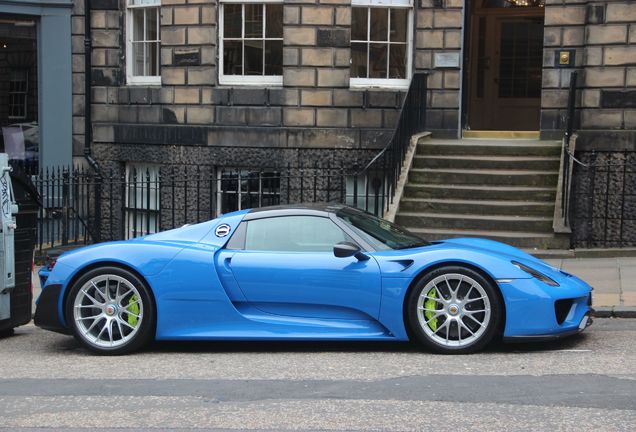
(446, 60)
(187, 57)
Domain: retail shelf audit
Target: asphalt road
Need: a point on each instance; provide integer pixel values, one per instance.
(48, 382)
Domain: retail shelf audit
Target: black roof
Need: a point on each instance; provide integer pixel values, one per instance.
(309, 209)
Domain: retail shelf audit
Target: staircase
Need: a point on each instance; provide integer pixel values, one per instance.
(498, 189)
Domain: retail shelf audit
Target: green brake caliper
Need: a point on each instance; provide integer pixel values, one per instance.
(133, 308)
(430, 305)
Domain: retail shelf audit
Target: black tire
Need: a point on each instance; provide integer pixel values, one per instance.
(6, 333)
(141, 336)
(481, 337)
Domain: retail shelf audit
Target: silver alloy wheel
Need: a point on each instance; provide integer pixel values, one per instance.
(108, 311)
(453, 310)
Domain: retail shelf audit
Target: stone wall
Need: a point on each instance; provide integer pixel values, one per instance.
(602, 35)
(439, 25)
(314, 107)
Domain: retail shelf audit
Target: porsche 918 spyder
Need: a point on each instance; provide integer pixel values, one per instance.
(314, 272)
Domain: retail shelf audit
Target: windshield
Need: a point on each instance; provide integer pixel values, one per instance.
(380, 233)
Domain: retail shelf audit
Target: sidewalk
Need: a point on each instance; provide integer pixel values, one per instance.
(613, 279)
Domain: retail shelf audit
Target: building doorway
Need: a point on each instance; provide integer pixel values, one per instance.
(504, 65)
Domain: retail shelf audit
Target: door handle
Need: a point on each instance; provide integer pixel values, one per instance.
(227, 263)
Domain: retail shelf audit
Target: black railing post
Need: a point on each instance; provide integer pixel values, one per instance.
(98, 211)
(571, 106)
(65, 206)
(567, 166)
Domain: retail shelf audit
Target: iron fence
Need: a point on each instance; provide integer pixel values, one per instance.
(79, 206)
(604, 199)
(85, 206)
(381, 174)
(568, 154)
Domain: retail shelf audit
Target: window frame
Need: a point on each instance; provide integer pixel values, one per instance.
(245, 234)
(141, 79)
(271, 174)
(146, 209)
(246, 80)
(388, 83)
(22, 95)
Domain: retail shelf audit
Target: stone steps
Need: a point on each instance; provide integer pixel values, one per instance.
(534, 163)
(474, 221)
(489, 148)
(527, 240)
(483, 177)
(485, 207)
(480, 192)
(498, 189)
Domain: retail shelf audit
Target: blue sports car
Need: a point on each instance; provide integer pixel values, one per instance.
(315, 272)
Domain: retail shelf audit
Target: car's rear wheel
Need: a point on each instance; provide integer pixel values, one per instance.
(110, 311)
(454, 309)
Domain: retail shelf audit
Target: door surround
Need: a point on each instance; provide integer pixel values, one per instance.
(482, 107)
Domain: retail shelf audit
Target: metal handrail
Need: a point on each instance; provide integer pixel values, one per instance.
(383, 170)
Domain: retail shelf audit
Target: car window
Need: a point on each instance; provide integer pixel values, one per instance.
(293, 234)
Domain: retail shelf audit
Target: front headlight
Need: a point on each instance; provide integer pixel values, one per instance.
(535, 274)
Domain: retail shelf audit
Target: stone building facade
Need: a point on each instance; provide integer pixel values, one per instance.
(314, 103)
(231, 83)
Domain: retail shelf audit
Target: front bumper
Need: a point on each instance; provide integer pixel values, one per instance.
(46, 312)
(585, 323)
(536, 311)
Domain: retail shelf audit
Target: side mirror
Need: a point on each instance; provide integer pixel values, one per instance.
(348, 249)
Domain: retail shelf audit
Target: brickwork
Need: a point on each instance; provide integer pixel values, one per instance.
(314, 107)
(438, 30)
(602, 34)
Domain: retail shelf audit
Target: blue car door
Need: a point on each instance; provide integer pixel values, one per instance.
(287, 267)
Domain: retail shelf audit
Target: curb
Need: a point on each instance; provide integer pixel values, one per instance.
(614, 312)
(582, 253)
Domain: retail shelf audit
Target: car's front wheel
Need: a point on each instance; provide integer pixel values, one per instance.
(110, 311)
(454, 309)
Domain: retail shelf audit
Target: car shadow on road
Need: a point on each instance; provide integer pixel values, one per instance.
(69, 344)
(573, 342)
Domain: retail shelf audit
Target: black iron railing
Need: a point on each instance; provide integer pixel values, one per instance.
(598, 191)
(604, 199)
(79, 206)
(84, 206)
(568, 153)
(374, 186)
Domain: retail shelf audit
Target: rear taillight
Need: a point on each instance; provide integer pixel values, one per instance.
(51, 264)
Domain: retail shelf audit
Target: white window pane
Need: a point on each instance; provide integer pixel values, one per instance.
(274, 57)
(359, 21)
(152, 20)
(274, 21)
(379, 24)
(378, 60)
(137, 24)
(253, 57)
(359, 60)
(252, 40)
(399, 24)
(382, 3)
(144, 2)
(232, 20)
(137, 58)
(233, 57)
(253, 20)
(152, 58)
(398, 57)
